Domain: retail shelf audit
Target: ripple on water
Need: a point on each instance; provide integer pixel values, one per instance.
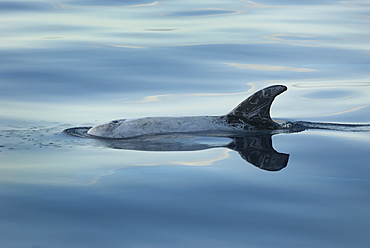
(109, 2)
(325, 95)
(204, 12)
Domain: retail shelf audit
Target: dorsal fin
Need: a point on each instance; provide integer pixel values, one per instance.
(254, 112)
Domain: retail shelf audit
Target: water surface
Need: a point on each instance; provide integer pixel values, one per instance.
(82, 63)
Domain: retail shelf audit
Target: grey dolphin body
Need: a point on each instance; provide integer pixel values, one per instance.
(247, 129)
(251, 114)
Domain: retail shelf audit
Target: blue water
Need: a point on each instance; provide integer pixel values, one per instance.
(81, 63)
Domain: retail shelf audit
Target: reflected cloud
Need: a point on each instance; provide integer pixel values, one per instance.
(217, 43)
(267, 40)
(147, 99)
(224, 154)
(278, 37)
(157, 98)
(126, 46)
(256, 5)
(204, 12)
(144, 5)
(269, 67)
(160, 29)
(110, 3)
(291, 39)
(314, 85)
(101, 175)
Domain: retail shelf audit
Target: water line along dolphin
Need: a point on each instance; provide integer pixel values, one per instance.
(251, 114)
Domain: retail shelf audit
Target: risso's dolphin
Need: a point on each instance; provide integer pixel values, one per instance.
(247, 129)
(252, 113)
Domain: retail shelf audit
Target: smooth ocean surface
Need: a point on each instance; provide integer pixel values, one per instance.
(81, 63)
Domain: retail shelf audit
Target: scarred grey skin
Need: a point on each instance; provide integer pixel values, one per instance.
(252, 113)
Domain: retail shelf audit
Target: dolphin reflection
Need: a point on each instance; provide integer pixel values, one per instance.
(258, 151)
(256, 148)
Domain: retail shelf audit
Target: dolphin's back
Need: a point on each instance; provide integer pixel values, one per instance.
(252, 113)
(160, 125)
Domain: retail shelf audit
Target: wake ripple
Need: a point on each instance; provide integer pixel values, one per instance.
(331, 126)
(78, 132)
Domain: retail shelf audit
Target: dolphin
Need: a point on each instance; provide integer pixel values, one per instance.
(247, 129)
(251, 114)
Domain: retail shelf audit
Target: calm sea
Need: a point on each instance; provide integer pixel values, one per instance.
(71, 63)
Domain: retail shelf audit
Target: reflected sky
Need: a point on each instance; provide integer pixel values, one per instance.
(109, 2)
(325, 95)
(269, 67)
(120, 69)
(127, 200)
(29, 6)
(79, 63)
(268, 24)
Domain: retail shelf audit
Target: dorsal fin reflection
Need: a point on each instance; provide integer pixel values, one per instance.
(258, 151)
(255, 149)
